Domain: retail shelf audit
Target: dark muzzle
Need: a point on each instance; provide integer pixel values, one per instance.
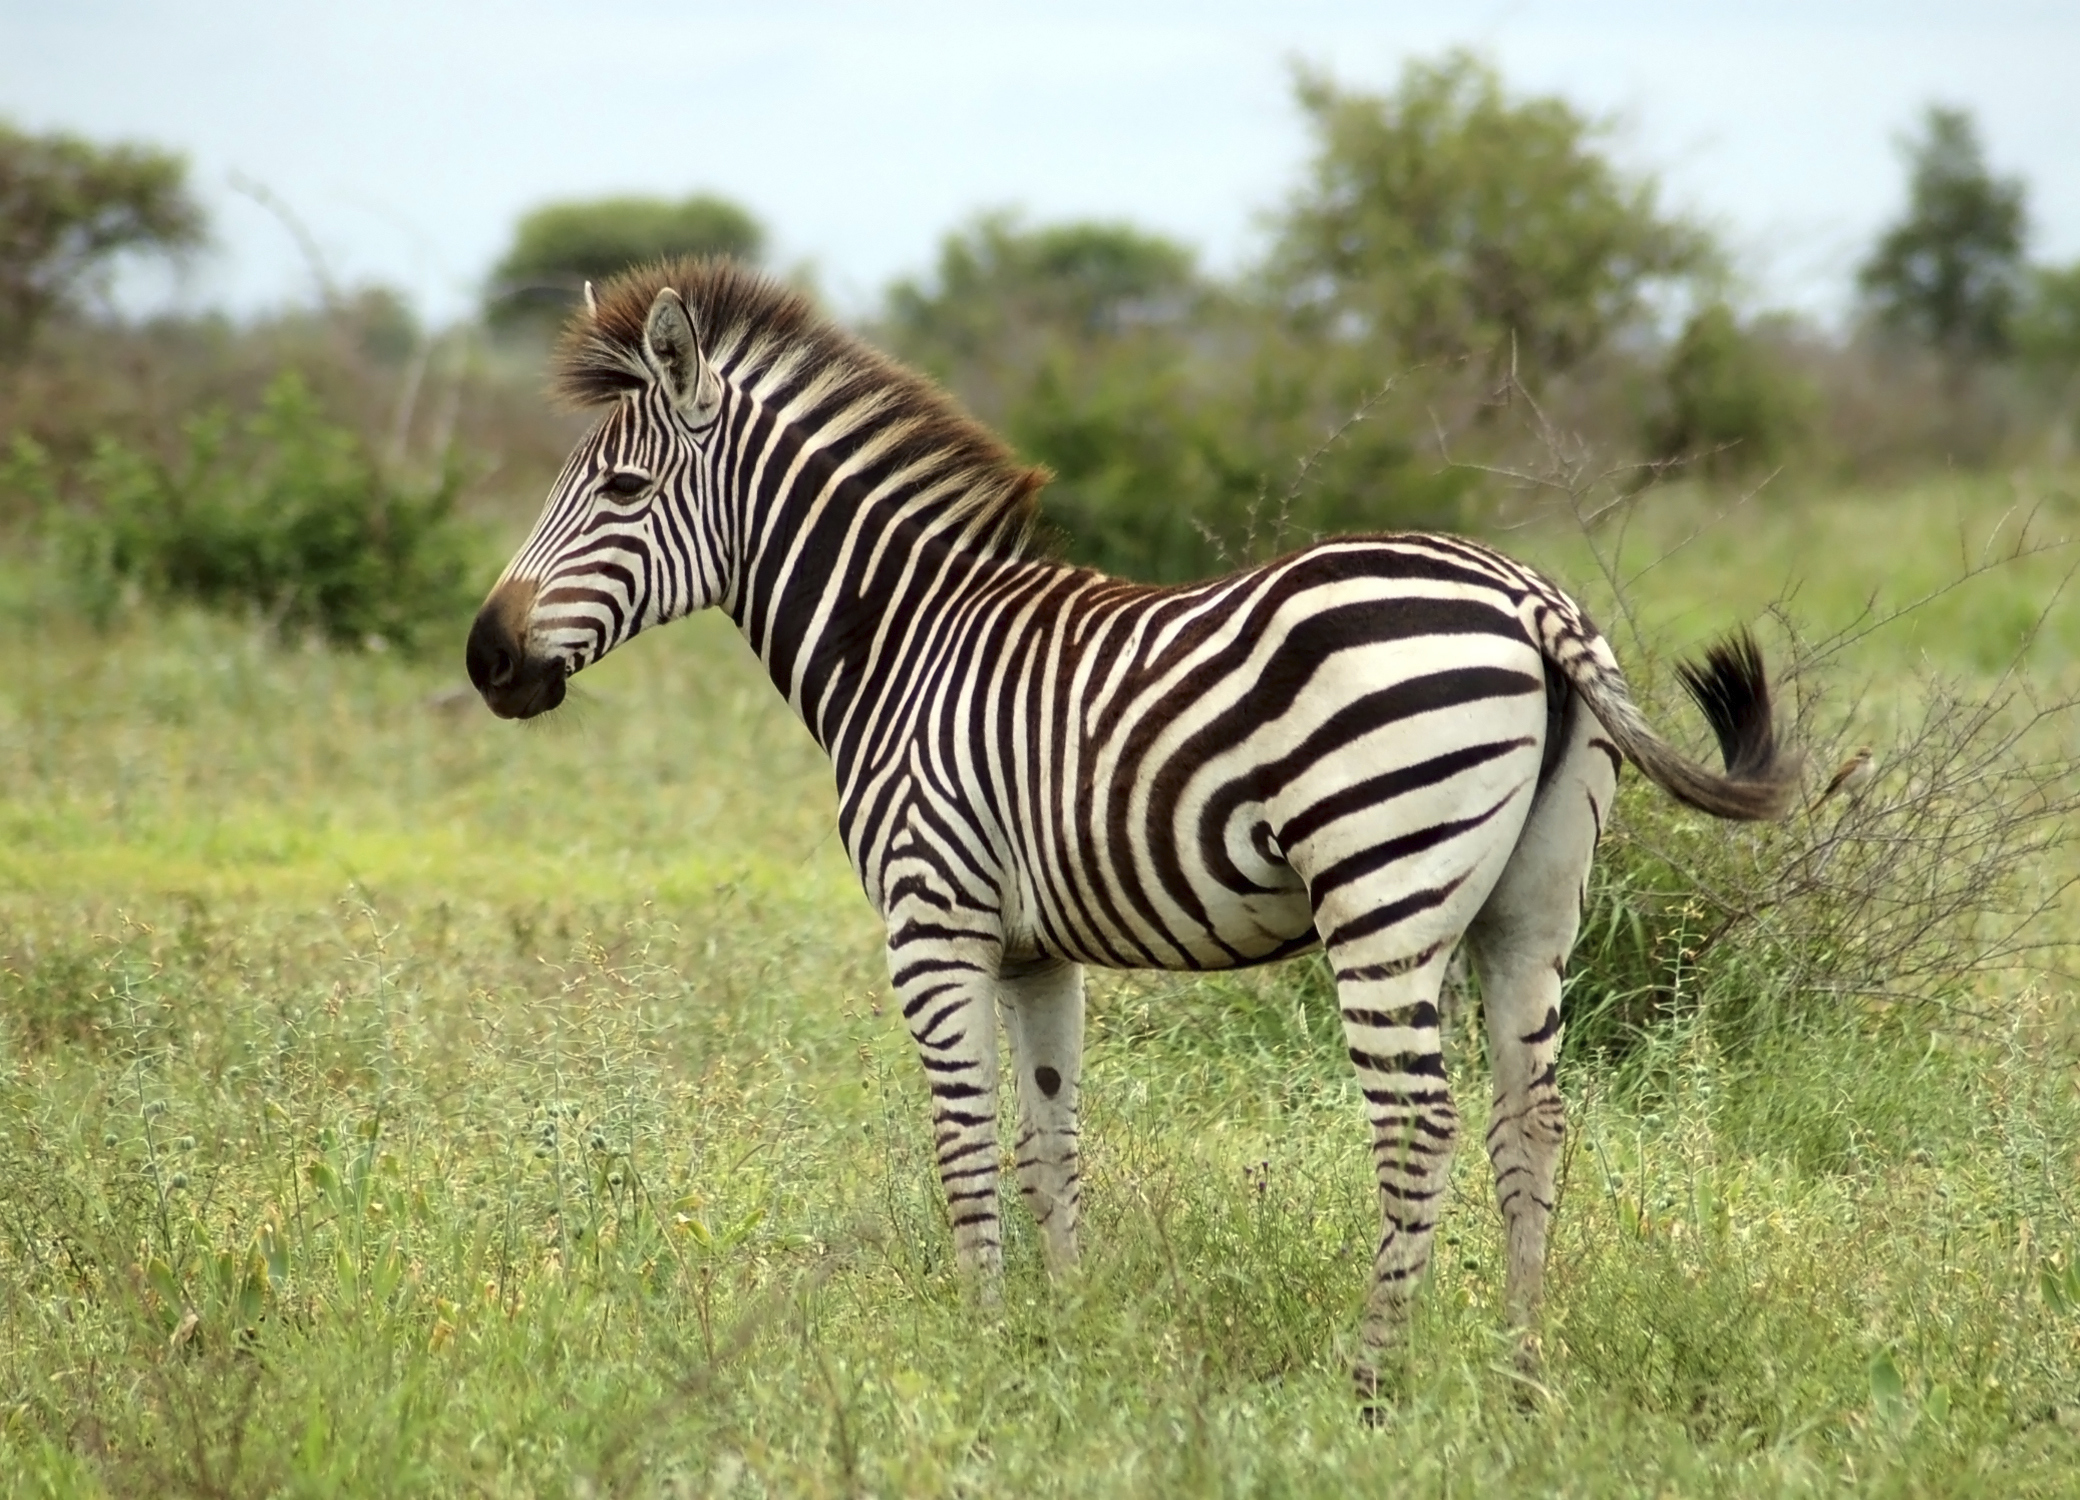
(514, 684)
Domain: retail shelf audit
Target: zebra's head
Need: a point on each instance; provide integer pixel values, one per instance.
(622, 543)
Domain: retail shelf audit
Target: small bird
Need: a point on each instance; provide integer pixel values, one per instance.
(1851, 776)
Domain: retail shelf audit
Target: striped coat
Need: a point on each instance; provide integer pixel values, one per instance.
(1384, 744)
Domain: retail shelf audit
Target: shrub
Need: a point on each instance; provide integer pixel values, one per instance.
(1169, 412)
(281, 512)
(1915, 889)
(1727, 406)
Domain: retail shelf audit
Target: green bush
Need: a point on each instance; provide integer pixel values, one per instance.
(2047, 334)
(1910, 894)
(1729, 407)
(280, 512)
(1185, 429)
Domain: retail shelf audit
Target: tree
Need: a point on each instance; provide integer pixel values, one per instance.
(1008, 299)
(1077, 281)
(559, 247)
(1728, 406)
(68, 208)
(1948, 273)
(1070, 339)
(1173, 414)
(1447, 217)
(2047, 324)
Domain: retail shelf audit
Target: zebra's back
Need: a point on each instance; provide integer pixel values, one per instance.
(1191, 777)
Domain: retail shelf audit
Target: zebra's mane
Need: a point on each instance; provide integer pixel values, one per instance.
(755, 330)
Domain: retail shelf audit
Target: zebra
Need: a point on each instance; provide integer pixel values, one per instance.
(1382, 744)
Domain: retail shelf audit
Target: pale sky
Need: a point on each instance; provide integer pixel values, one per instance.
(410, 134)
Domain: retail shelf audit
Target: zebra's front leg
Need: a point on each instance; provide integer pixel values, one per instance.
(947, 988)
(1389, 1005)
(1043, 1012)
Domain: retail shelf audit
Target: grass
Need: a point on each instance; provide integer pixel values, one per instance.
(399, 1102)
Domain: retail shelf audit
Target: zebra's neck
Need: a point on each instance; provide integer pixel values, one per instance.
(851, 580)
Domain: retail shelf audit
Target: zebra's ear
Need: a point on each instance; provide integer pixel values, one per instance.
(674, 352)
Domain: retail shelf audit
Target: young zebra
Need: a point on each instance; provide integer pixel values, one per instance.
(1383, 743)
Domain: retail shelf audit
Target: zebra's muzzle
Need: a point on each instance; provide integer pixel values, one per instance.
(514, 684)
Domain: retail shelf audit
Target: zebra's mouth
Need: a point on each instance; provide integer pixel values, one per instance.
(535, 689)
(514, 683)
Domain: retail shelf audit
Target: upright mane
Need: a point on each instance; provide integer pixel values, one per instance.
(755, 330)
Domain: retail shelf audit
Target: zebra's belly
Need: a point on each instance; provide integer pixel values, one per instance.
(1255, 929)
(1224, 930)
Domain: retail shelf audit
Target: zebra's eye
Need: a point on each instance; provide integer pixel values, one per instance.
(626, 484)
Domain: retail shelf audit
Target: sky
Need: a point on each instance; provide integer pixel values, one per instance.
(408, 136)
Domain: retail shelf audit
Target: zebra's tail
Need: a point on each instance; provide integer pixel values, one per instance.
(1732, 687)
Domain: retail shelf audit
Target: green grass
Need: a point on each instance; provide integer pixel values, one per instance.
(1694, 561)
(394, 1101)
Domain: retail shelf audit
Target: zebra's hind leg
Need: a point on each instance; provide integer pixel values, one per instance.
(1389, 1005)
(1520, 942)
(1043, 1013)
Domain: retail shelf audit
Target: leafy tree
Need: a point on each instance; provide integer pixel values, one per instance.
(560, 246)
(1948, 273)
(2047, 325)
(1729, 406)
(1446, 216)
(1069, 339)
(1078, 281)
(68, 207)
(1011, 307)
(1174, 415)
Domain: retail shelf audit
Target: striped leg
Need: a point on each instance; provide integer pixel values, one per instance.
(944, 979)
(1390, 1021)
(1520, 942)
(1043, 1012)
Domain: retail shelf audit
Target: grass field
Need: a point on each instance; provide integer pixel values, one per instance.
(400, 1102)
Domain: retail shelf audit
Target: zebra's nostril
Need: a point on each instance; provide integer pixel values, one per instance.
(495, 656)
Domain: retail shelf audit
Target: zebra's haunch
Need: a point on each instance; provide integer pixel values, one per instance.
(1385, 744)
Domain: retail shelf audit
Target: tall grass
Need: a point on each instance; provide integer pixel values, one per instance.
(399, 1102)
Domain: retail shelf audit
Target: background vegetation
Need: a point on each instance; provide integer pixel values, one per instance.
(559, 247)
(379, 1116)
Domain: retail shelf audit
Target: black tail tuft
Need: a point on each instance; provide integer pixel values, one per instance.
(1732, 687)
(1761, 781)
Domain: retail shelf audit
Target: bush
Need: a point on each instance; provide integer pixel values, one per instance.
(1186, 430)
(1727, 407)
(2047, 335)
(281, 512)
(1913, 890)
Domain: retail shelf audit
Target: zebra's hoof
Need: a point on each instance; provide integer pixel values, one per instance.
(1375, 1396)
(1529, 1358)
